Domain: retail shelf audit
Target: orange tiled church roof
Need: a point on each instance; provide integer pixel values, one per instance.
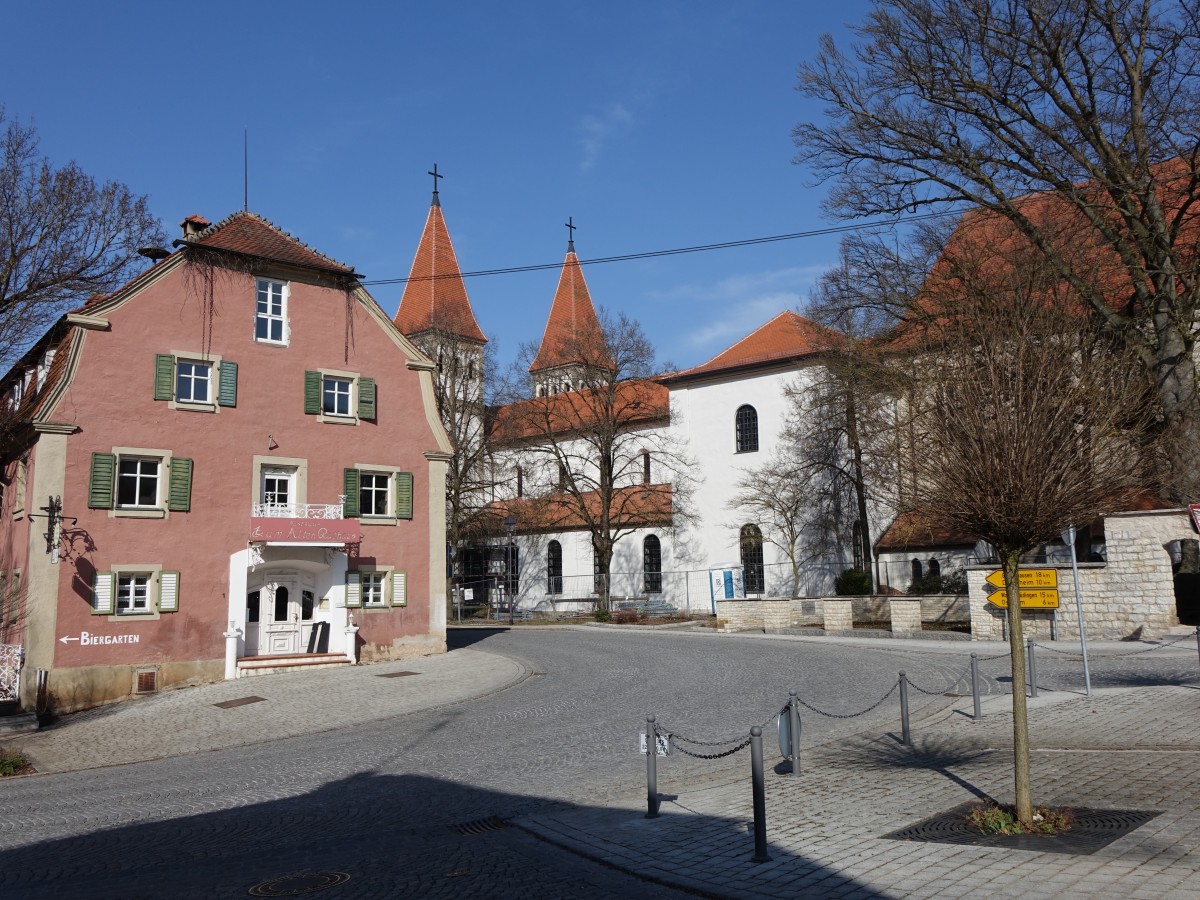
(435, 296)
(788, 336)
(572, 320)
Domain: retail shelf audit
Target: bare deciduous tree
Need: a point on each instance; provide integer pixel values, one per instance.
(63, 237)
(465, 372)
(1094, 104)
(1024, 419)
(599, 457)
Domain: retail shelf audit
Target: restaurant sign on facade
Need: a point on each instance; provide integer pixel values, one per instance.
(305, 531)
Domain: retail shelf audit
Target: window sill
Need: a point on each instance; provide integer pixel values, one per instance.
(337, 420)
(376, 609)
(186, 406)
(150, 615)
(377, 520)
(269, 343)
(739, 452)
(145, 513)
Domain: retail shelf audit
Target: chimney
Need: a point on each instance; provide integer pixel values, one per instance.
(193, 225)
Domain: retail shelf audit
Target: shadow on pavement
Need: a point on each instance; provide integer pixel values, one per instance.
(458, 638)
(933, 754)
(379, 836)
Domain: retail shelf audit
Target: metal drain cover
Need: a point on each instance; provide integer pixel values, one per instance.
(479, 826)
(295, 885)
(240, 701)
(1093, 829)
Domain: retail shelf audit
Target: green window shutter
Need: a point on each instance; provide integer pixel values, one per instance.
(312, 393)
(399, 589)
(179, 494)
(353, 590)
(102, 594)
(350, 505)
(227, 384)
(102, 483)
(168, 592)
(404, 495)
(164, 377)
(366, 398)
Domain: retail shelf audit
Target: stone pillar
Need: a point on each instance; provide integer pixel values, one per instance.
(352, 641)
(905, 614)
(231, 647)
(839, 615)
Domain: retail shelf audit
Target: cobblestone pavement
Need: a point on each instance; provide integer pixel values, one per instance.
(489, 782)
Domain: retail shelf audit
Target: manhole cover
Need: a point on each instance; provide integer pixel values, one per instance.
(479, 826)
(1093, 829)
(295, 885)
(397, 674)
(240, 701)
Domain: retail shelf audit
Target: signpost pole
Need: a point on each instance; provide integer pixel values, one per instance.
(1087, 676)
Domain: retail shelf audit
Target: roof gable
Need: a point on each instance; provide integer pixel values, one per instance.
(788, 336)
(249, 234)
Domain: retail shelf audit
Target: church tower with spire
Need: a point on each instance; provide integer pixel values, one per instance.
(573, 349)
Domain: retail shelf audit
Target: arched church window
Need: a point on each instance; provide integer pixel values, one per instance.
(752, 559)
(746, 423)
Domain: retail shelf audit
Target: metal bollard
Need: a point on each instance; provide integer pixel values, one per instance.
(905, 736)
(794, 723)
(1198, 639)
(760, 796)
(651, 769)
(1032, 670)
(975, 685)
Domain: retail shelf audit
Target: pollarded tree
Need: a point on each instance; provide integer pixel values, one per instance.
(599, 456)
(1082, 110)
(1025, 419)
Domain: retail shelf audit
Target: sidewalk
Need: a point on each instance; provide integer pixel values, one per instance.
(1124, 748)
(189, 721)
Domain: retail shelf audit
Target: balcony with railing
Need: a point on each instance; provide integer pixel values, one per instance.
(315, 524)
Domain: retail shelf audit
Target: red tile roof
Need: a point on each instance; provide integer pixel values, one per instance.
(915, 530)
(641, 506)
(572, 321)
(786, 337)
(435, 296)
(635, 402)
(250, 234)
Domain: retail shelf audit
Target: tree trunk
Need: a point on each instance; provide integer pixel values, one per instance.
(1010, 561)
(604, 561)
(860, 487)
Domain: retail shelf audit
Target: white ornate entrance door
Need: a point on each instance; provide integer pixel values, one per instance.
(281, 618)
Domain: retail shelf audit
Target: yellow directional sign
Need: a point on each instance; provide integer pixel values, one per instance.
(1027, 578)
(1031, 598)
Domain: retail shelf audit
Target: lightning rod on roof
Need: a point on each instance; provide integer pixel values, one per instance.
(245, 169)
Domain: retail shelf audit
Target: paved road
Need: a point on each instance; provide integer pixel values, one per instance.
(409, 805)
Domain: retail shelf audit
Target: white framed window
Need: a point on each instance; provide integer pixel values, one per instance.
(336, 395)
(375, 493)
(138, 482)
(277, 490)
(193, 381)
(133, 593)
(270, 313)
(374, 589)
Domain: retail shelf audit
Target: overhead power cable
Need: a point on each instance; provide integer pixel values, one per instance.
(699, 248)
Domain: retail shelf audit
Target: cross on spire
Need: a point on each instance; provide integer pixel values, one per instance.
(570, 226)
(436, 176)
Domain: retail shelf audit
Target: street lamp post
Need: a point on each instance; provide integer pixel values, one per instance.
(509, 524)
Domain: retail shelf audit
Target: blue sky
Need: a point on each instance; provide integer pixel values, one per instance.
(654, 125)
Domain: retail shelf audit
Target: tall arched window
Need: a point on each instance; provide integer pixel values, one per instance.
(935, 568)
(752, 559)
(652, 565)
(746, 424)
(520, 482)
(917, 573)
(554, 576)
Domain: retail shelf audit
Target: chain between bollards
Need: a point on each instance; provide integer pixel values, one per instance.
(651, 768)
(760, 796)
(905, 736)
(1032, 669)
(975, 685)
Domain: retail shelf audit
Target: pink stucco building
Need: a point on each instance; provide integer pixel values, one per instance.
(251, 472)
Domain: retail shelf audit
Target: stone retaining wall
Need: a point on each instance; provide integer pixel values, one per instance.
(1130, 595)
(838, 614)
